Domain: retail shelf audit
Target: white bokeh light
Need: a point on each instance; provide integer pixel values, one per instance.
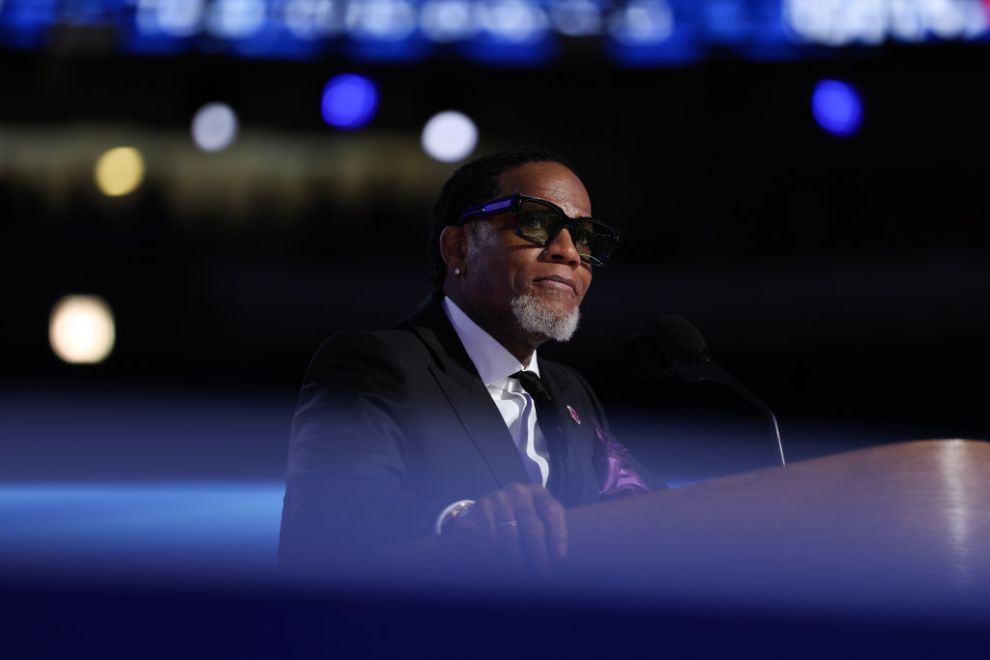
(176, 18)
(311, 19)
(449, 136)
(444, 21)
(81, 329)
(642, 22)
(214, 127)
(236, 19)
(842, 22)
(388, 20)
(513, 20)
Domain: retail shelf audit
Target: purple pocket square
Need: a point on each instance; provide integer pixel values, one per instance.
(617, 477)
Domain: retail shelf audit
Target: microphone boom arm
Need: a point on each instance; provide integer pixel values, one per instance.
(710, 371)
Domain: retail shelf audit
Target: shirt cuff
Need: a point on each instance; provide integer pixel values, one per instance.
(455, 510)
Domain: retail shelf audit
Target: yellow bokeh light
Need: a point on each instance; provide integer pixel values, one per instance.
(81, 329)
(119, 171)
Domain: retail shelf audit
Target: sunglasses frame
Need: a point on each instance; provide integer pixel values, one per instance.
(514, 203)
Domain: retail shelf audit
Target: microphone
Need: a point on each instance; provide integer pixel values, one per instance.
(677, 349)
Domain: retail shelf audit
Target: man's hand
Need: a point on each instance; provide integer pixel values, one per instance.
(525, 521)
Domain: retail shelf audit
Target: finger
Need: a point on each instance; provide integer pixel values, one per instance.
(507, 526)
(534, 538)
(554, 521)
(532, 532)
(486, 518)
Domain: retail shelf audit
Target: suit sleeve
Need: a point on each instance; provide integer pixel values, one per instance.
(347, 457)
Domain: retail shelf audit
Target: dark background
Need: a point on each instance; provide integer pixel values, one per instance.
(843, 279)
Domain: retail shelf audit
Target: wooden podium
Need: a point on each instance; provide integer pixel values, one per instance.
(901, 529)
(891, 528)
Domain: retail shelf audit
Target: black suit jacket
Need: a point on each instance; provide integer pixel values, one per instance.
(393, 426)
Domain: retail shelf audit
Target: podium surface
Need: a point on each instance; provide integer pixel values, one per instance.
(890, 528)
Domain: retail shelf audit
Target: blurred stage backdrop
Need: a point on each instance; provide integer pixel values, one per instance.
(194, 193)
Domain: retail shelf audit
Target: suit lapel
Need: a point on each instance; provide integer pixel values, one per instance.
(565, 448)
(467, 395)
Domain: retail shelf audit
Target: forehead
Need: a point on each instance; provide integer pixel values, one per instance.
(550, 181)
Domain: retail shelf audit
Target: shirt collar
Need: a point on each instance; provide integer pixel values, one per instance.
(492, 360)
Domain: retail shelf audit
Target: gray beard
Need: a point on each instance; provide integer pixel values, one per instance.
(536, 317)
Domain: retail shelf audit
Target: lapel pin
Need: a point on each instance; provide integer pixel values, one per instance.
(574, 415)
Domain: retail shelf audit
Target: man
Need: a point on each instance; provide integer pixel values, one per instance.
(450, 423)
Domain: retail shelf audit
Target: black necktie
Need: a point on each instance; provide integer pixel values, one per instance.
(549, 423)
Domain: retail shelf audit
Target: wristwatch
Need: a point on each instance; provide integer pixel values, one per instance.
(451, 513)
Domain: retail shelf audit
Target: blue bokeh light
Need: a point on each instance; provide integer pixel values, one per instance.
(25, 23)
(349, 101)
(837, 107)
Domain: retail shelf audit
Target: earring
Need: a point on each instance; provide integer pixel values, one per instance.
(457, 271)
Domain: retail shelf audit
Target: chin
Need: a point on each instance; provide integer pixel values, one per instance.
(550, 316)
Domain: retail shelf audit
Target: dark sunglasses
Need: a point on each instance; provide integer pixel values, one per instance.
(539, 221)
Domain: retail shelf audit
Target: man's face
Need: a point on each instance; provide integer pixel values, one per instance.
(507, 267)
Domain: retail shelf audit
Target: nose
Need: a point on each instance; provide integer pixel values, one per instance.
(561, 249)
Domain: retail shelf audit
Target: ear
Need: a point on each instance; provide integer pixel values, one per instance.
(453, 247)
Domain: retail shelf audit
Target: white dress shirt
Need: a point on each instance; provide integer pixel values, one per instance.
(495, 364)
